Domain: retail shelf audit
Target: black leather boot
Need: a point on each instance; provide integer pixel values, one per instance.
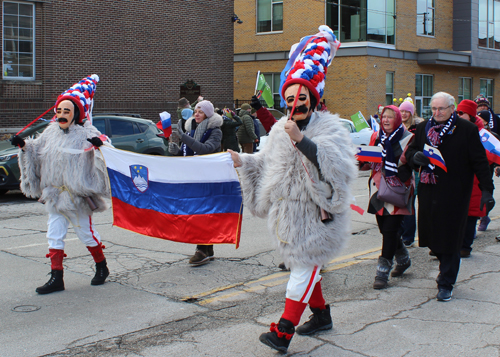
(55, 283)
(101, 273)
(280, 336)
(319, 320)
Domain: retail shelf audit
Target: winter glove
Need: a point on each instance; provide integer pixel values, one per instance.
(487, 200)
(95, 141)
(173, 148)
(17, 141)
(180, 132)
(255, 103)
(420, 159)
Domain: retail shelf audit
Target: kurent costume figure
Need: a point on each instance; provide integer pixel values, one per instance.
(62, 169)
(301, 182)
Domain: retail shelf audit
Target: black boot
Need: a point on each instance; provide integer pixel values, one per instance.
(384, 266)
(101, 273)
(280, 336)
(403, 261)
(55, 283)
(319, 320)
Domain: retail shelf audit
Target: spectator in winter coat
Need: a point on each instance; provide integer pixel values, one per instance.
(229, 127)
(203, 136)
(246, 132)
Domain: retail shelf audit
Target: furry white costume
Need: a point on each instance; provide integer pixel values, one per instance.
(55, 168)
(276, 185)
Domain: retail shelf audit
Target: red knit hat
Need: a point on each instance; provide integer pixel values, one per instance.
(468, 106)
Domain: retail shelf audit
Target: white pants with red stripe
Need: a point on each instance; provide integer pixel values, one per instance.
(301, 283)
(58, 226)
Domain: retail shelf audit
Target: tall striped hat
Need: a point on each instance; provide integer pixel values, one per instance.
(308, 62)
(82, 95)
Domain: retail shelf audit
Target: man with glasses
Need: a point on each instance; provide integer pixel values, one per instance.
(443, 195)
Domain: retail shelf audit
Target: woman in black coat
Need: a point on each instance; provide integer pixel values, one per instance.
(444, 196)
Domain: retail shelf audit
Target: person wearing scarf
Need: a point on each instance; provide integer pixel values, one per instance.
(394, 139)
(443, 196)
(203, 136)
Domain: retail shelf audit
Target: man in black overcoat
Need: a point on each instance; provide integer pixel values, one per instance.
(443, 196)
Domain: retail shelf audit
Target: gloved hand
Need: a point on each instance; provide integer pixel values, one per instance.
(95, 141)
(173, 148)
(255, 103)
(420, 159)
(17, 141)
(487, 200)
(180, 132)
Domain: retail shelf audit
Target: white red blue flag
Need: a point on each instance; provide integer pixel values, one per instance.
(375, 124)
(369, 153)
(193, 199)
(491, 145)
(435, 157)
(165, 124)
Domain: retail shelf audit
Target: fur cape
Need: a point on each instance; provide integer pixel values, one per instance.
(55, 167)
(276, 185)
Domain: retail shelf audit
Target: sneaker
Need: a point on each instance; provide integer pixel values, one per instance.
(409, 244)
(444, 294)
(199, 258)
(464, 253)
(483, 223)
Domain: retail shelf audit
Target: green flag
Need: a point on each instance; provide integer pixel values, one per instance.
(359, 121)
(264, 90)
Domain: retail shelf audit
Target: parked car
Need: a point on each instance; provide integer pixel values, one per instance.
(126, 132)
(358, 137)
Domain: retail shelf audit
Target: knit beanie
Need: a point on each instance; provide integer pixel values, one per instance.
(485, 115)
(308, 63)
(408, 106)
(468, 106)
(481, 100)
(186, 113)
(246, 106)
(82, 96)
(206, 107)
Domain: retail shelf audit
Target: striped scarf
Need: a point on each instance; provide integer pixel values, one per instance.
(435, 134)
(390, 161)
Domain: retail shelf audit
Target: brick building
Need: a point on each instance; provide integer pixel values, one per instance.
(143, 52)
(389, 48)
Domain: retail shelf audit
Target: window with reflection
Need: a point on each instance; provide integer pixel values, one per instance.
(486, 89)
(423, 94)
(18, 27)
(425, 17)
(269, 15)
(464, 88)
(362, 20)
(489, 24)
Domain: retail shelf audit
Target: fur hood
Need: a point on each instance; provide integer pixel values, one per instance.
(276, 186)
(215, 121)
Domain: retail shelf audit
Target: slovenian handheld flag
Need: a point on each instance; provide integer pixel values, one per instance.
(435, 157)
(369, 153)
(491, 145)
(193, 199)
(166, 124)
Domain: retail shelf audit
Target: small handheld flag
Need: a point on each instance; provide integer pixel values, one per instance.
(359, 121)
(165, 123)
(369, 153)
(491, 145)
(375, 124)
(435, 157)
(264, 90)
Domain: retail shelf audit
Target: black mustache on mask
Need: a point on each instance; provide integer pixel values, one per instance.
(62, 120)
(300, 109)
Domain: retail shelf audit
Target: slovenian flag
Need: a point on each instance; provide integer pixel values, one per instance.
(491, 145)
(369, 153)
(193, 199)
(435, 157)
(165, 124)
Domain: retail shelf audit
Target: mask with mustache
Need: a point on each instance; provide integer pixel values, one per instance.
(300, 109)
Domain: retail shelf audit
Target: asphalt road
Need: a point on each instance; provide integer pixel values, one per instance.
(155, 304)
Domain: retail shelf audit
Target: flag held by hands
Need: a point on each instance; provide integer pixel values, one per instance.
(165, 124)
(491, 145)
(264, 90)
(369, 153)
(435, 157)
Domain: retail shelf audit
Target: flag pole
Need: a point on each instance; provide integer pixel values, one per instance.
(256, 83)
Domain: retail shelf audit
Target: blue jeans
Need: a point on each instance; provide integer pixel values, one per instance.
(408, 229)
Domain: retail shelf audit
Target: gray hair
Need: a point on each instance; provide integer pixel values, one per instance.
(446, 96)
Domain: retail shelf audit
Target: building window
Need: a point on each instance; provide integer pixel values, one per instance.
(18, 40)
(486, 89)
(362, 20)
(273, 79)
(489, 23)
(269, 15)
(425, 17)
(423, 94)
(464, 88)
(389, 88)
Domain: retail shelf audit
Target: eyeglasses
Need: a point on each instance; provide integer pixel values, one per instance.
(440, 109)
(460, 113)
